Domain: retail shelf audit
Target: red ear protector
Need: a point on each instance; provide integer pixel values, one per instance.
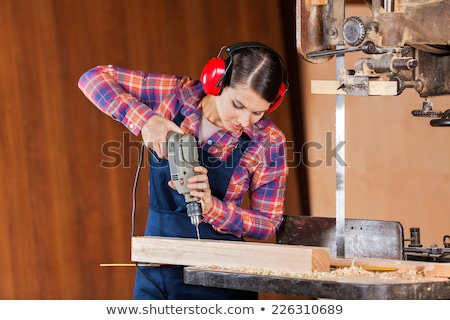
(214, 73)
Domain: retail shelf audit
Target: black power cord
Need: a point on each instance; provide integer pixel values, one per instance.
(135, 185)
(133, 215)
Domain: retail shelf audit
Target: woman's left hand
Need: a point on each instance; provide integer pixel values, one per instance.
(199, 186)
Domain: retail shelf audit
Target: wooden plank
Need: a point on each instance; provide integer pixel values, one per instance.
(326, 87)
(430, 269)
(316, 2)
(382, 88)
(436, 269)
(264, 257)
(376, 88)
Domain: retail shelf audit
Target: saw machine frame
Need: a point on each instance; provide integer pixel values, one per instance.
(404, 48)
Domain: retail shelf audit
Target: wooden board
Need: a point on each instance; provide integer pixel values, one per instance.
(376, 88)
(316, 2)
(264, 257)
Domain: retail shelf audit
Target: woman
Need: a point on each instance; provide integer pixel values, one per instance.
(240, 151)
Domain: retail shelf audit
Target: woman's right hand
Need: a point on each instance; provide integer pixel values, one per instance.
(154, 134)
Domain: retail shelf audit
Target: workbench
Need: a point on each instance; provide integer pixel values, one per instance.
(316, 288)
(364, 238)
(303, 262)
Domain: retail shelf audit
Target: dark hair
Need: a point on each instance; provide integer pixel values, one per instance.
(258, 68)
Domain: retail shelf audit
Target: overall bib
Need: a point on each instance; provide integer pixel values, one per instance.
(167, 217)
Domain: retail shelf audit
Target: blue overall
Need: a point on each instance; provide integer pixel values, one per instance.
(167, 217)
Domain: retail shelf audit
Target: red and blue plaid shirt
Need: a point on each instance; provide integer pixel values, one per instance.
(132, 97)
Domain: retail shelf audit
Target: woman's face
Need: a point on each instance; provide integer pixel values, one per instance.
(239, 107)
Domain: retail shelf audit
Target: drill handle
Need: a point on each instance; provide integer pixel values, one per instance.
(182, 157)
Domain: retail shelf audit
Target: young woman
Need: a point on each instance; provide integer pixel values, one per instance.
(241, 151)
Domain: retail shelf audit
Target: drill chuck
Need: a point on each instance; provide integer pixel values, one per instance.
(194, 212)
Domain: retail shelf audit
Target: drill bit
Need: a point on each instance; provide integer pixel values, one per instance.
(198, 232)
(195, 215)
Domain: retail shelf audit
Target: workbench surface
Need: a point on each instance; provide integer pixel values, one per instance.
(348, 289)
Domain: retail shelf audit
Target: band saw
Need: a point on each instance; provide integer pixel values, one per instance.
(403, 47)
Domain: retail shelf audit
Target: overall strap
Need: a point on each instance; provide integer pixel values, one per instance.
(178, 118)
(220, 172)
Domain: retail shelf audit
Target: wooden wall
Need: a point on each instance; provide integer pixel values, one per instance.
(61, 212)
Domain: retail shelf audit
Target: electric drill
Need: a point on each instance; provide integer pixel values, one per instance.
(183, 157)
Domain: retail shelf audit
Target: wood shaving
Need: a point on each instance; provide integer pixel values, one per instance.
(360, 272)
(352, 272)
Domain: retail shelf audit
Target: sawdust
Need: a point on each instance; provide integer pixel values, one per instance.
(352, 272)
(360, 272)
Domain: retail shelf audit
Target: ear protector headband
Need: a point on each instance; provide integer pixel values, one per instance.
(214, 73)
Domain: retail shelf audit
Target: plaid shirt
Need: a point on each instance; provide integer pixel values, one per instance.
(132, 97)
